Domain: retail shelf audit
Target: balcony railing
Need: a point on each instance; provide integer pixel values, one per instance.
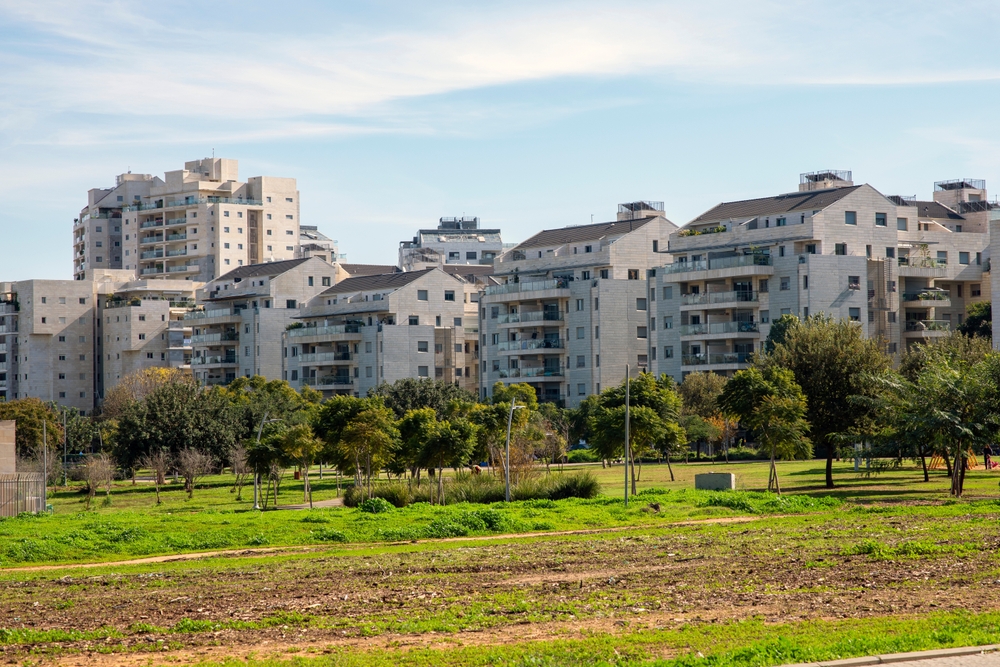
(512, 345)
(194, 201)
(534, 316)
(927, 295)
(182, 268)
(720, 263)
(217, 359)
(177, 253)
(714, 358)
(151, 254)
(177, 237)
(717, 328)
(215, 338)
(928, 325)
(747, 296)
(528, 286)
(319, 357)
(325, 331)
(333, 380)
(922, 262)
(531, 372)
(204, 314)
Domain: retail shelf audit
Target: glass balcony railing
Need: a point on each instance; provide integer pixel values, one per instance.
(325, 331)
(720, 263)
(715, 358)
(528, 286)
(215, 338)
(717, 328)
(742, 296)
(206, 314)
(927, 295)
(531, 372)
(329, 380)
(191, 201)
(320, 357)
(512, 345)
(535, 316)
(217, 359)
(922, 262)
(928, 325)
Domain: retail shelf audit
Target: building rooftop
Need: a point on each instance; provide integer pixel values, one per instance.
(812, 200)
(265, 269)
(932, 209)
(369, 269)
(391, 281)
(579, 233)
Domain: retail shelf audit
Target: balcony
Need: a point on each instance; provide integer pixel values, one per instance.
(192, 201)
(715, 359)
(151, 254)
(713, 298)
(542, 372)
(921, 267)
(182, 236)
(528, 286)
(223, 315)
(214, 360)
(325, 357)
(208, 339)
(718, 328)
(721, 263)
(534, 316)
(927, 328)
(150, 239)
(520, 345)
(183, 268)
(177, 253)
(329, 381)
(331, 330)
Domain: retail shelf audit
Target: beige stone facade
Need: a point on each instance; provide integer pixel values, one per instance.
(97, 231)
(8, 449)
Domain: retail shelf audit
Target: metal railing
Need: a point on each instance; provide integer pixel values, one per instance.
(215, 337)
(531, 372)
(928, 325)
(182, 268)
(717, 328)
(177, 237)
(151, 254)
(528, 286)
(927, 295)
(217, 359)
(534, 316)
(193, 201)
(512, 345)
(332, 380)
(721, 263)
(714, 358)
(318, 357)
(331, 330)
(747, 296)
(205, 314)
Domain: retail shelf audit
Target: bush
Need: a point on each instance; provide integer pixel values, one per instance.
(330, 535)
(375, 505)
(583, 456)
(580, 485)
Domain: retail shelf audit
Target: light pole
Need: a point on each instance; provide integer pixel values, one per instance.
(627, 428)
(506, 458)
(256, 474)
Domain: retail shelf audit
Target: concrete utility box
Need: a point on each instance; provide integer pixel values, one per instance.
(7, 448)
(715, 481)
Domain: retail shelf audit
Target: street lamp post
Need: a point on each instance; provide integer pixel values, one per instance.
(506, 458)
(627, 428)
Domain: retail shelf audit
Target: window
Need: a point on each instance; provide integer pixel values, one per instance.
(368, 371)
(449, 295)
(890, 286)
(579, 305)
(44, 319)
(805, 282)
(975, 290)
(421, 295)
(840, 249)
(310, 280)
(44, 298)
(62, 339)
(853, 282)
(643, 360)
(588, 248)
(62, 394)
(149, 355)
(290, 303)
(891, 316)
(287, 199)
(871, 315)
(62, 357)
(239, 246)
(326, 281)
(640, 303)
(414, 320)
(494, 339)
(597, 303)
(942, 256)
(850, 217)
(810, 248)
(890, 253)
(854, 314)
(494, 312)
(604, 274)
(470, 255)
(62, 299)
(762, 285)
(781, 251)
(83, 357)
(958, 288)
(225, 245)
(901, 224)
(496, 365)
(765, 317)
(422, 372)
(780, 222)
(880, 220)
(668, 352)
(99, 244)
(288, 231)
(581, 361)
(963, 258)
(892, 348)
(641, 332)
(457, 321)
(62, 376)
(668, 293)
(597, 332)
(225, 214)
(422, 346)
(785, 283)
(597, 361)
(142, 336)
(580, 333)
(868, 251)
(668, 322)
(633, 274)
(289, 248)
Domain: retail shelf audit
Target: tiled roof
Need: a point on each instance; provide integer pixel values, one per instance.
(580, 233)
(814, 200)
(392, 281)
(265, 269)
(934, 210)
(369, 269)
(469, 272)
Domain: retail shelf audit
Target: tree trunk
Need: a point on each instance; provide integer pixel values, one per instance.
(947, 462)
(670, 468)
(830, 451)
(923, 463)
(631, 456)
(774, 473)
(440, 486)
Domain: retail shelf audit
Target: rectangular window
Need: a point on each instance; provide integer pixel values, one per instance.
(457, 321)
(805, 282)
(470, 255)
(422, 372)
(641, 332)
(975, 289)
(310, 281)
(854, 314)
(581, 361)
(901, 224)
(494, 339)
(840, 249)
(633, 274)
(850, 217)
(668, 352)
(668, 322)
(579, 305)
(765, 317)
(422, 346)
(414, 320)
(326, 281)
(597, 303)
(643, 360)
(786, 283)
(890, 286)
(854, 282)
(449, 295)
(958, 288)
(780, 222)
(640, 303)
(891, 316)
(604, 272)
(890, 253)
(668, 293)
(880, 220)
(942, 256)
(781, 251)
(963, 258)
(597, 332)
(494, 312)
(581, 389)
(579, 333)
(421, 295)
(290, 303)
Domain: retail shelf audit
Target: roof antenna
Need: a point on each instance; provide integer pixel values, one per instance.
(213, 153)
(591, 218)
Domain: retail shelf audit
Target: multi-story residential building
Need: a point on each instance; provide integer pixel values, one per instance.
(97, 232)
(904, 270)
(200, 222)
(314, 243)
(244, 313)
(571, 311)
(455, 241)
(380, 328)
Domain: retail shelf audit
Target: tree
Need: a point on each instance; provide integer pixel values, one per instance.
(451, 443)
(779, 331)
(699, 429)
(159, 462)
(368, 440)
(136, 386)
(239, 460)
(192, 465)
(978, 321)
(831, 360)
(415, 393)
(30, 413)
(954, 346)
(98, 471)
(700, 392)
(416, 429)
(301, 445)
(773, 405)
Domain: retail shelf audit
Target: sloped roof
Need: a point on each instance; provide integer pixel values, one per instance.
(270, 269)
(391, 281)
(932, 209)
(369, 269)
(470, 272)
(813, 200)
(580, 233)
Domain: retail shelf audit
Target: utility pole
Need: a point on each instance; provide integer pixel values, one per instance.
(627, 428)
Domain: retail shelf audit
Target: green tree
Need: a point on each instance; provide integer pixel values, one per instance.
(978, 321)
(451, 443)
(368, 440)
(954, 347)
(771, 403)
(416, 429)
(300, 444)
(779, 331)
(700, 393)
(415, 393)
(30, 414)
(831, 360)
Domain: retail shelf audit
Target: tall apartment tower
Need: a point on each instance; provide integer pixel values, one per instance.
(571, 311)
(201, 222)
(455, 241)
(905, 270)
(97, 232)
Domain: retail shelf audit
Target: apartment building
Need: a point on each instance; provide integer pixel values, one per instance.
(904, 270)
(200, 222)
(244, 313)
(97, 231)
(314, 243)
(372, 329)
(455, 241)
(570, 310)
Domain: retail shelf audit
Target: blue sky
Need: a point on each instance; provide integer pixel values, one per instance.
(527, 114)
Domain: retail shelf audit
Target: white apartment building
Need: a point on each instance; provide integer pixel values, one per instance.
(904, 270)
(455, 241)
(373, 329)
(97, 231)
(244, 314)
(314, 243)
(571, 310)
(201, 222)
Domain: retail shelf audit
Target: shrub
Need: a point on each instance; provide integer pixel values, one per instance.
(583, 456)
(580, 485)
(330, 535)
(375, 505)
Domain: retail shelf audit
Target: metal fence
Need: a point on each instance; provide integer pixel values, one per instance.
(22, 492)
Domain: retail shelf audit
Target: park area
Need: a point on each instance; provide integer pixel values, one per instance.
(882, 563)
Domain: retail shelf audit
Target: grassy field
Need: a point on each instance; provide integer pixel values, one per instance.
(879, 564)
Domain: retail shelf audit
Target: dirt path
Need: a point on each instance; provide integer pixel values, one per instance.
(263, 551)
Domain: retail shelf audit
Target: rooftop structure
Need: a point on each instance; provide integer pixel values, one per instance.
(455, 241)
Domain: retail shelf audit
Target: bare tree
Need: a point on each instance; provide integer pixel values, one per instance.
(98, 470)
(192, 465)
(241, 469)
(159, 462)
